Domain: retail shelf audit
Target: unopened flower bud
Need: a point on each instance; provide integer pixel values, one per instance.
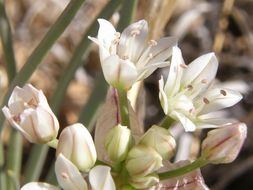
(118, 142)
(68, 176)
(223, 145)
(28, 111)
(161, 140)
(144, 182)
(76, 144)
(39, 186)
(143, 160)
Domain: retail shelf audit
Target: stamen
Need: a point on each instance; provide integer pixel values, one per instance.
(150, 55)
(135, 32)
(184, 66)
(115, 41)
(191, 111)
(223, 92)
(64, 175)
(16, 118)
(189, 87)
(206, 101)
(204, 81)
(117, 35)
(125, 57)
(152, 43)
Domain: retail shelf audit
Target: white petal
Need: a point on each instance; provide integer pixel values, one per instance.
(133, 45)
(219, 99)
(163, 97)
(39, 186)
(128, 73)
(68, 175)
(106, 33)
(103, 51)
(202, 68)
(186, 122)
(119, 72)
(100, 178)
(45, 127)
(110, 67)
(28, 126)
(147, 70)
(175, 74)
(162, 51)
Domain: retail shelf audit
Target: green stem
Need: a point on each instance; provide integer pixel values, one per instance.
(183, 170)
(123, 106)
(167, 122)
(14, 159)
(41, 50)
(35, 162)
(80, 53)
(6, 38)
(2, 169)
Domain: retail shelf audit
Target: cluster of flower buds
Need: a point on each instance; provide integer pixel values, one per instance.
(128, 157)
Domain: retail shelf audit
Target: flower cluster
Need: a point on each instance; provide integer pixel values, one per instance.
(122, 155)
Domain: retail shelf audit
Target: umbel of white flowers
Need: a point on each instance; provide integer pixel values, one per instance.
(189, 95)
(130, 57)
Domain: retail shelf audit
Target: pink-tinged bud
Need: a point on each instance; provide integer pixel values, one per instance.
(142, 161)
(28, 111)
(161, 140)
(144, 182)
(223, 145)
(68, 176)
(76, 144)
(118, 142)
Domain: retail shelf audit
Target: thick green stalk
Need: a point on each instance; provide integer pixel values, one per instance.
(183, 170)
(2, 169)
(14, 158)
(123, 106)
(41, 50)
(35, 162)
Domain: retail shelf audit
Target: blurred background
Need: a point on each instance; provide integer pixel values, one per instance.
(224, 27)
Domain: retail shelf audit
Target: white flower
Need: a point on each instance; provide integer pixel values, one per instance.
(28, 111)
(68, 176)
(129, 57)
(76, 144)
(100, 178)
(188, 95)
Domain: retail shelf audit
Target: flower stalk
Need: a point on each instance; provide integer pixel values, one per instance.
(123, 106)
(200, 162)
